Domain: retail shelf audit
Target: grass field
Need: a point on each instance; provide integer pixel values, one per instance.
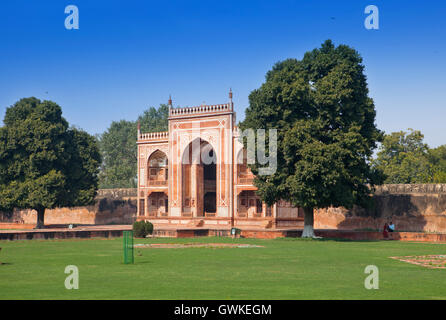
(282, 269)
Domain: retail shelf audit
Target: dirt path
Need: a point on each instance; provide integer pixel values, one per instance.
(194, 245)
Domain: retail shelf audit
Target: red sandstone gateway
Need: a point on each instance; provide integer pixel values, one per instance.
(176, 187)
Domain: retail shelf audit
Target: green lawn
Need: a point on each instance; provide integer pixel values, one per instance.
(283, 269)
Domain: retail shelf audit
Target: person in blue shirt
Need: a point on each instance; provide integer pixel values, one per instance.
(391, 227)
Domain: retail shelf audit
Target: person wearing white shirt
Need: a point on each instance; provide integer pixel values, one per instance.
(391, 227)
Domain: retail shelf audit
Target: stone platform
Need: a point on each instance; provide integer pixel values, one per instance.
(62, 232)
(294, 233)
(110, 231)
(16, 226)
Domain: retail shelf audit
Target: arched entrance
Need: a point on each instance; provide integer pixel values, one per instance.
(199, 185)
(157, 169)
(157, 181)
(244, 174)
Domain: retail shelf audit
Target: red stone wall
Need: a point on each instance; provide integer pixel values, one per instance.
(410, 207)
(112, 206)
(416, 207)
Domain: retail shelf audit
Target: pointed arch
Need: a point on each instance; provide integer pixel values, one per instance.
(199, 179)
(157, 169)
(197, 148)
(244, 174)
(158, 154)
(157, 181)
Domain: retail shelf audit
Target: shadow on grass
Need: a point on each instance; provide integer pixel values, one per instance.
(329, 239)
(345, 240)
(144, 262)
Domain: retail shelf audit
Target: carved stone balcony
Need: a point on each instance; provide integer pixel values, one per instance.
(154, 136)
(245, 181)
(200, 110)
(158, 183)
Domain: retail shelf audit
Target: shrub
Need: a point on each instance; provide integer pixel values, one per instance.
(139, 229)
(142, 228)
(148, 227)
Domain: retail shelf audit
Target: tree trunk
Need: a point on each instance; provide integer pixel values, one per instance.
(40, 218)
(308, 231)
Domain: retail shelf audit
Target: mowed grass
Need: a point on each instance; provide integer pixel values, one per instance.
(282, 269)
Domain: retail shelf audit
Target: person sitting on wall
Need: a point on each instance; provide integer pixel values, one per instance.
(391, 227)
(385, 231)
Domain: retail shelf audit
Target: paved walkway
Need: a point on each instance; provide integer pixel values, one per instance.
(61, 232)
(114, 227)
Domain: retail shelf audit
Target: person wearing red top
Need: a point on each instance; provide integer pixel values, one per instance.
(385, 232)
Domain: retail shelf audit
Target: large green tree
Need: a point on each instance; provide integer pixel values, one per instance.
(154, 120)
(118, 147)
(437, 159)
(43, 162)
(403, 157)
(326, 131)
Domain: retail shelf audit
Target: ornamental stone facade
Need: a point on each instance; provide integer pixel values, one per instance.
(196, 175)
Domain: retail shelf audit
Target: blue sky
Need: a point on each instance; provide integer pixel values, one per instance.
(128, 55)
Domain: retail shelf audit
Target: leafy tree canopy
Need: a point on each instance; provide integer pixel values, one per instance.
(43, 162)
(437, 159)
(119, 150)
(154, 120)
(403, 157)
(326, 130)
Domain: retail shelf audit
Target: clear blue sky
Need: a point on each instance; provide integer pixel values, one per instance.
(128, 55)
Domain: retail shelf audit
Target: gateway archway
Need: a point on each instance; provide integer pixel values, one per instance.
(199, 179)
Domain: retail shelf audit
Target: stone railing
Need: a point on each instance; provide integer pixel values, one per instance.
(117, 193)
(245, 181)
(158, 183)
(154, 136)
(383, 189)
(410, 188)
(203, 109)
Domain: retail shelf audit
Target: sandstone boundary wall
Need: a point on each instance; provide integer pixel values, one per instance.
(112, 206)
(412, 207)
